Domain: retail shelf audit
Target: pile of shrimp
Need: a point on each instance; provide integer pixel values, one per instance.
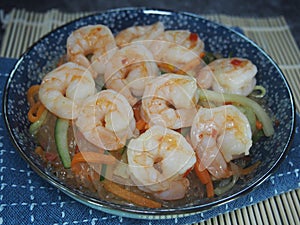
(135, 96)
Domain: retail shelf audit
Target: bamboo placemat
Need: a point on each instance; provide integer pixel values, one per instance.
(23, 28)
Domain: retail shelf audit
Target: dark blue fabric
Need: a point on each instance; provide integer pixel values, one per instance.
(25, 198)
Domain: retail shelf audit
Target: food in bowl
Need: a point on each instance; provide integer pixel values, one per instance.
(147, 117)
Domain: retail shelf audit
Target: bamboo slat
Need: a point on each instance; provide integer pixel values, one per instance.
(23, 28)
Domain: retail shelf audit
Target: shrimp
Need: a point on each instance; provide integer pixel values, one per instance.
(232, 75)
(204, 77)
(139, 33)
(176, 49)
(219, 135)
(106, 120)
(170, 100)
(158, 161)
(129, 70)
(63, 89)
(96, 41)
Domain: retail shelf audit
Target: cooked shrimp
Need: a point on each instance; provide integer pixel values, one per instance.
(170, 100)
(158, 161)
(63, 89)
(106, 120)
(129, 70)
(176, 49)
(232, 75)
(204, 77)
(96, 41)
(139, 33)
(219, 135)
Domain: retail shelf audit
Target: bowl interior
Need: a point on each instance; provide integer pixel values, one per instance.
(43, 56)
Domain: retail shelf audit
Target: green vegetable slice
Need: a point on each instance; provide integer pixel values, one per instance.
(61, 140)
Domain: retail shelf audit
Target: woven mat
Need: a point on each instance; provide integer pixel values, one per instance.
(23, 28)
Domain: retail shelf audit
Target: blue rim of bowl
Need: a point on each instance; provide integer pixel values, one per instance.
(135, 211)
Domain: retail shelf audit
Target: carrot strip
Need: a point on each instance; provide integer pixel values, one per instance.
(210, 189)
(32, 91)
(140, 125)
(136, 110)
(92, 157)
(35, 112)
(204, 178)
(129, 196)
(76, 168)
(245, 171)
(203, 175)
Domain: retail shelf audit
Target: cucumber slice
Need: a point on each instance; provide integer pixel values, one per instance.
(34, 127)
(61, 140)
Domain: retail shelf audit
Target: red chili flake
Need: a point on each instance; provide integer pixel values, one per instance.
(236, 62)
(193, 37)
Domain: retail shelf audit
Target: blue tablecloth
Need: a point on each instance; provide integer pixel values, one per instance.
(25, 198)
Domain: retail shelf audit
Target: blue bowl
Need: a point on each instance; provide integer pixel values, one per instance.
(44, 54)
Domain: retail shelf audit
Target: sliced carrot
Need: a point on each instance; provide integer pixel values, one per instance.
(129, 196)
(250, 169)
(92, 157)
(140, 125)
(35, 112)
(187, 172)
(31, 93)
(36, 107)
(76, 168)
(203, 175)
(244, 171)
(136, 110)
(210, 189)
(204, 178)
